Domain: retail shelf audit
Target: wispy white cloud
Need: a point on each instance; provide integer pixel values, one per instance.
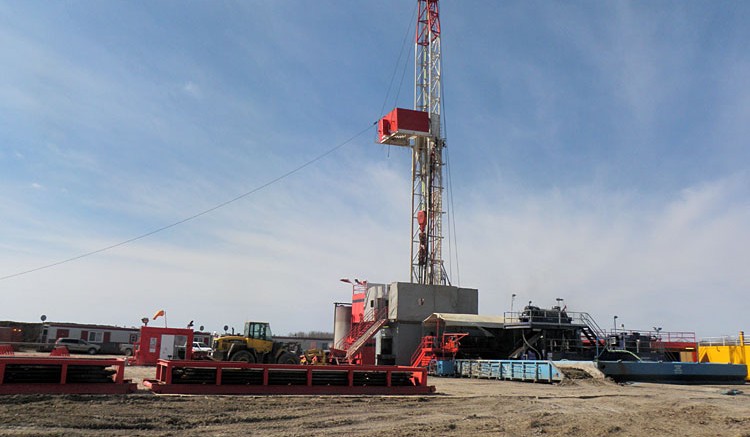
(288, 245)
(669, 264)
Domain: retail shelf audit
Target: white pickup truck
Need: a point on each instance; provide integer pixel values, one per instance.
(200, 350)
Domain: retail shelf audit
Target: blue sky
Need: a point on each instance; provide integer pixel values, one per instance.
(598, 153)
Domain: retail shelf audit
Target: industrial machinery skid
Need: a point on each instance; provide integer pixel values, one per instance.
(63, 375)
(238, 378)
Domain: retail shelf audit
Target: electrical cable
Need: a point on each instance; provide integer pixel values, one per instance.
(452, 248)
(395, 69)
(403, 75)
(202, 213)
(452, 219)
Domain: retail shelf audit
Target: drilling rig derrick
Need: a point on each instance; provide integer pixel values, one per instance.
(420, 130)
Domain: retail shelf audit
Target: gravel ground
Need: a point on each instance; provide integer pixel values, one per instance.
(580, 407)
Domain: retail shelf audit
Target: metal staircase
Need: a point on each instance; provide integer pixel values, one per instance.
(425, 352)
(430, 348)
(593, 332)
(362, 332)
(352, 350)
(589, 334)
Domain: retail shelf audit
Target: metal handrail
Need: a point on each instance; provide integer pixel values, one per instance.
(659, 336)
(726, 340)
(599, 333)
(591, 323)
(427, 341)
(362, 338)
(370, 317)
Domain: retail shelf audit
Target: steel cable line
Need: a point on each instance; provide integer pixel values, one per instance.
(395, 68)
(393, 76)
(199, 214)
(451, 209)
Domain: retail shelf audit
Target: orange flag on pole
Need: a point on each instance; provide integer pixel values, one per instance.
(159, 314)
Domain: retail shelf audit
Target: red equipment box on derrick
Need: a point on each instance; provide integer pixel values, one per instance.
(400, 125)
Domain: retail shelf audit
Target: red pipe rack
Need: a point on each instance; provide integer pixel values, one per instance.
(272, 382)
(117, 385)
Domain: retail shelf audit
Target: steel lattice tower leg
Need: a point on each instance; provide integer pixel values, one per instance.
(427, 154)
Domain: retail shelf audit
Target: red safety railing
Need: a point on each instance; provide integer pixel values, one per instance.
(424, 351)
(451, 342)
(430, 348)
(371, 317)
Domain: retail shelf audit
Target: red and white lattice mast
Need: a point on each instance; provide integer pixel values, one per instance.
(419, 129)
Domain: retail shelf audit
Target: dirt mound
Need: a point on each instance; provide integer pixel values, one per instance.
(572, 373)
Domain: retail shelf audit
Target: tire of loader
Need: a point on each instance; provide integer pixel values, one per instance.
(287, 358)
(245, 356)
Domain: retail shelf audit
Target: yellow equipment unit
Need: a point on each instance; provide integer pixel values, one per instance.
(255, 346)
(725, 350)
(316, 357)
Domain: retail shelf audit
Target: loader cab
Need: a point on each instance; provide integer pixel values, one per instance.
(258, 331)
